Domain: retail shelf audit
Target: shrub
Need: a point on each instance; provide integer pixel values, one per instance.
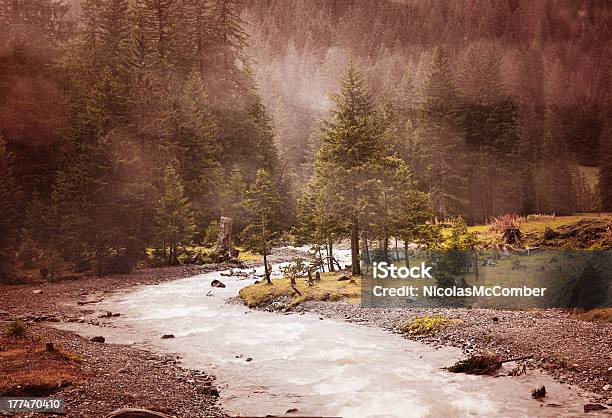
(427, 325)
(502, 223)
(17, 328)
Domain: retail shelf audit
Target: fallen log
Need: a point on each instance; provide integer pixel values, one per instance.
(482, 364)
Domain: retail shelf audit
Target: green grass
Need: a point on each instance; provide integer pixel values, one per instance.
(534, 227)
(329, 288)
(427, 325)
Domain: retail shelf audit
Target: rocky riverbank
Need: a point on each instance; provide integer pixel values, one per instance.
(115, 376)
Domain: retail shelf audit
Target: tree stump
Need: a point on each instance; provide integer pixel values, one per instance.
(223, 249)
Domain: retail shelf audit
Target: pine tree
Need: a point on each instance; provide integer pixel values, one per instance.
(233, 197)
(159, 24)
(263, 203)
(9, 203)
(114, 35)
(351, 151)
(175, 222)
(440, 138)
(194, 142)
(406, 209)
(555, 177)
(605, 173)
(228, 39)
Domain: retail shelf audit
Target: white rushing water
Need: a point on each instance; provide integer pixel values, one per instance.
(320, 367)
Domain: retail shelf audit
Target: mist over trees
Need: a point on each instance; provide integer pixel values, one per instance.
(525, 86)
(124, 122)
(128, 127)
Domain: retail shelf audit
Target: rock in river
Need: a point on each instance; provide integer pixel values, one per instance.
(98, 339)
(217, 283)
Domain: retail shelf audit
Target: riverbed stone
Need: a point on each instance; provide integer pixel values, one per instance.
(217, 283)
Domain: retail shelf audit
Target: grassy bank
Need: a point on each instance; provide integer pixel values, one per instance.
(329, 288)
(583, 231)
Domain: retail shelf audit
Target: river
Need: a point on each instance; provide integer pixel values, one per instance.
(321, 367)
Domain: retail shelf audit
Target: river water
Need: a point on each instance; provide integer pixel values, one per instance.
(321, 367)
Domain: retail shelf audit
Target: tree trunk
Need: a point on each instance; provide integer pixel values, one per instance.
(321, 258)
(356, 268)
(396, 251)
(406, 260)
(331, 254)
(366, 248)
(265, 251)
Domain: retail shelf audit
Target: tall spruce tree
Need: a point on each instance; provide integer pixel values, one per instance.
(175, 222)
(605, 174)
(9, 203)
(440, 137)
(352, 147)
(555, 176)
(263, 204)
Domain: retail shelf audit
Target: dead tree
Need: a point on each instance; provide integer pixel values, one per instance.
(223, 248)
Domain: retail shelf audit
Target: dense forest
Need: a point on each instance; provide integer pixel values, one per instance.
(129, 127)
(528, 87)
(124, 127)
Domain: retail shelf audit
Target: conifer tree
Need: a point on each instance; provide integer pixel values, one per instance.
(175, 222)
(440, 137)
(351, 152)
(159, 24)
(605, 174)
(262, 202)
(233, 198)
(555, 175)
(9, 200)
(228, 41)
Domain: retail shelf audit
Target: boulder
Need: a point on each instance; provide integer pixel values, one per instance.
(136, 413)
(37, 291)
(217, 283)
(98, 339)
(167, 336)
(538, 392)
